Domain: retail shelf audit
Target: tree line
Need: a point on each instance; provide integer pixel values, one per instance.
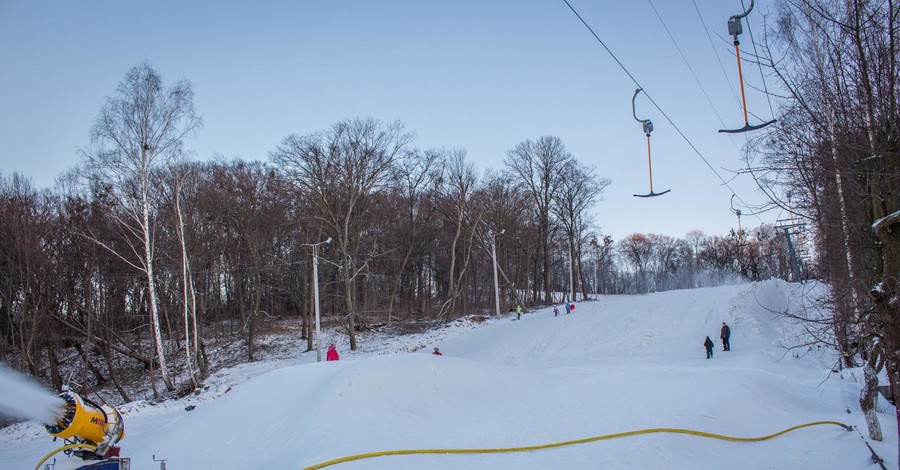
(832, 161)
(140, 256)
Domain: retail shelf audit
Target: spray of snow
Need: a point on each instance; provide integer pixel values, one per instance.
(21, 397)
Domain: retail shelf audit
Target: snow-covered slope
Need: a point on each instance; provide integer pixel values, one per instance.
(617, 364)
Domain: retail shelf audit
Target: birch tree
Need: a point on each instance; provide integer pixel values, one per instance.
(140, 130)
(837, 61)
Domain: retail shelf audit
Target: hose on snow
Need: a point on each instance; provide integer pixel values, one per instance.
(89, 447)
(370, 455)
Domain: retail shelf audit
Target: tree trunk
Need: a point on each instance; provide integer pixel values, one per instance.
(55, 378)
(188, 298)
(98, 376)
(349, 299)
(868, 397)
(396, 287)
(887, 302)
(151, 293)
(351, 327)
(107, 355)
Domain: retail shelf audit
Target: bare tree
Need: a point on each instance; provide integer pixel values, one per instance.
(537, 165)
(138, 131)
(637, 250)
(457, 190)
(26, 279)
(339, 170)
(193, 361)
(415, 174)
(576, 193)
(838, 142)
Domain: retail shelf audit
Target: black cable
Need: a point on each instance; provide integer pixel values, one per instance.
(677, 129)
(697, 79)
(686, 63)
(759, 64)
(737, 101)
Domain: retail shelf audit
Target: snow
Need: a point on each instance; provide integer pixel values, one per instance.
(885, 221)
(21, 397)
(616, 364)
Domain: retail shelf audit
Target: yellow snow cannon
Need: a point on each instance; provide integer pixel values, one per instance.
(87, 423)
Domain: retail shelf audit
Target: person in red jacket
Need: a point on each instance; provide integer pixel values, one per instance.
(332, 354)
(437, 352)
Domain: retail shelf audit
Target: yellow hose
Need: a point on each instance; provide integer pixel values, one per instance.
(89, 447)
(370, 455)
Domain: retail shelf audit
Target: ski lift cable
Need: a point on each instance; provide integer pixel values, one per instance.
(735, 29)
(696, 78)
(759, 65)
(686, 63)
(737, 101)
(655, 104)
(715, 52)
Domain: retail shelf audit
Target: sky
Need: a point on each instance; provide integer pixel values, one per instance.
(468, 74)
(614, 365)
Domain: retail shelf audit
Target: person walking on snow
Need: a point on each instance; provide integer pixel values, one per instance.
(332, 354)
(568, 307)
(518, 312)
(726, 333)
(709, 347)
(555, 311)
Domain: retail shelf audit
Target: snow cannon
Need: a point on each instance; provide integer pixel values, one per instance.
(89, 430)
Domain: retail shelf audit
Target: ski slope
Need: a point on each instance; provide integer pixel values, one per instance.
(616, 364)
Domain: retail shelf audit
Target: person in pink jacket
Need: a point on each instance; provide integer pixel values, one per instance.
(332, 354)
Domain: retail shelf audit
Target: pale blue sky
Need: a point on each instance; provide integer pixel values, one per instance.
(475, 74)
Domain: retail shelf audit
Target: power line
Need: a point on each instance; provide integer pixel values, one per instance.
(672, 123)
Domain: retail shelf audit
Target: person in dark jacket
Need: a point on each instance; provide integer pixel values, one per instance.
(726, 333)
(709, 347)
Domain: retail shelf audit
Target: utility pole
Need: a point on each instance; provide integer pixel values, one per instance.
(496, 281)
(315, 256)
(571, 276)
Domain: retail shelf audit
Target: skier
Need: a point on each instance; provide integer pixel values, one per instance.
(568, 307)
(555, 310)
(726, 333)
(709, 347)
(332, 354)
(437, 352)
(518, 312)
